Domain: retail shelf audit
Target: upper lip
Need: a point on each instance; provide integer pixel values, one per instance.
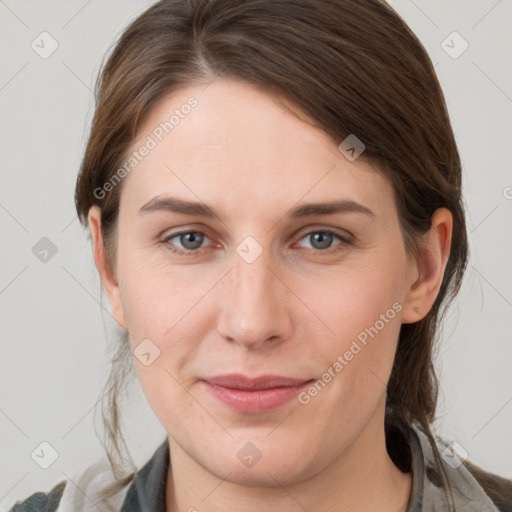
(239, 381)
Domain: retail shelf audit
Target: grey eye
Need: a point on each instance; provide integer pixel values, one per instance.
(320, 239)
(191, 240)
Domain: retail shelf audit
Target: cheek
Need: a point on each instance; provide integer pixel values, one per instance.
(157, 297)
(165, 318)
(350, 301)
(360, 312)
(169, 312)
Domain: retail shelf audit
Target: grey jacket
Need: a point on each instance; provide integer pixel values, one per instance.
(146, 492)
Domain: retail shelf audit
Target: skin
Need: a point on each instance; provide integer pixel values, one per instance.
(291, 312)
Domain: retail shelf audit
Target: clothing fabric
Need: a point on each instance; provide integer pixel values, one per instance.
(146, 492)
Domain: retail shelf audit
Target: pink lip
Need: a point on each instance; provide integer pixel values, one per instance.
(254, 395)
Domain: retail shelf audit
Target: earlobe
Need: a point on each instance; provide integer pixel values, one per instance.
(427, 273)
(107, 275)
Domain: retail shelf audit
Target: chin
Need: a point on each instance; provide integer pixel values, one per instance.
(261, 462)
(263, 474)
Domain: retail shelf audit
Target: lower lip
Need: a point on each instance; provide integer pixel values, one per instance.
(257, 401)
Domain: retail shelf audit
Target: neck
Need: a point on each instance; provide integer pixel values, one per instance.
(363, 478)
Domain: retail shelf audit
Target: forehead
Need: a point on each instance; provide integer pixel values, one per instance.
(234, 119)
(239, 141)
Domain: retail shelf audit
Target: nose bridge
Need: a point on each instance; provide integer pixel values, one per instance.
(254, 307)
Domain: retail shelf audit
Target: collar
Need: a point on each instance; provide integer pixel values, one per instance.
(427, 494)
(147, 489)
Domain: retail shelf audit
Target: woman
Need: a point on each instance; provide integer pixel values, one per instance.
(273, 192)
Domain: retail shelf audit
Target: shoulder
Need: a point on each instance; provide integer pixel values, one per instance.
(471, 485)
(499, 489)
(79, 493)
(47, 502)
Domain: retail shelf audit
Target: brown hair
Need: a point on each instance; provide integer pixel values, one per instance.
(352, 67)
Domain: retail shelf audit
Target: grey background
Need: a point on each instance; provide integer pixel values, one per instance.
(53, 331)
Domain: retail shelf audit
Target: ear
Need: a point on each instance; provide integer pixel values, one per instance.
(427, 274)
(107, 275)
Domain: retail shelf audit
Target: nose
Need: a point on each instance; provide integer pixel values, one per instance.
(255, 311)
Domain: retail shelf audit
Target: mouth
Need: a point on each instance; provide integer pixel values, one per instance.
(254, 394)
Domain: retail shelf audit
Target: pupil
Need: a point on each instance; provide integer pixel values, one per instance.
(324, 239)
(193, 242)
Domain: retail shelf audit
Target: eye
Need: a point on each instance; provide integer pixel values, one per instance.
(190, 241)
(321, 240)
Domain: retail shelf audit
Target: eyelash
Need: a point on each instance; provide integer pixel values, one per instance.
(193, 252)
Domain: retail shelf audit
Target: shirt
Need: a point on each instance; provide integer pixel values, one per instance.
(146, 492)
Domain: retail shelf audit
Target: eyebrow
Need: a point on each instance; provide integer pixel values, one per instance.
(198, 209)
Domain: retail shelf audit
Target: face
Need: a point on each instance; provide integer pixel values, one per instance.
(253, 283)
